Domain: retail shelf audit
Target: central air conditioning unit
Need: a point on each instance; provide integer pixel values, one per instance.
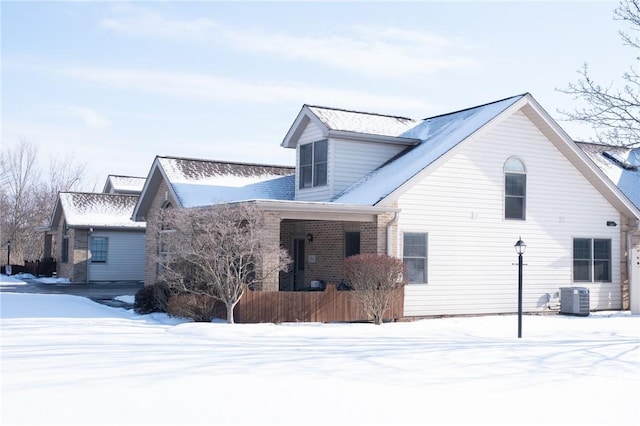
(574, 301)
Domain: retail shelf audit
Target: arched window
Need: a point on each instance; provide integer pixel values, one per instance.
(515, 189)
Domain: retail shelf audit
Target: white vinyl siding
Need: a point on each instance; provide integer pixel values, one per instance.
(124, 258)
(471, 253)
(352, 160)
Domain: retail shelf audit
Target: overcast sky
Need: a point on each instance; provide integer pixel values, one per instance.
(116, 83)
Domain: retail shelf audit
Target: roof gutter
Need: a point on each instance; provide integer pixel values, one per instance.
(396, 140)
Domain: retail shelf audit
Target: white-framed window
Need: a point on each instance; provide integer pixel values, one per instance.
(313, 164)
(591, 260)
(99, 247)
(414, 256)
(515, 189)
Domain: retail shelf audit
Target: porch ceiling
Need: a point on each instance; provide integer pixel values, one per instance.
(324, 211)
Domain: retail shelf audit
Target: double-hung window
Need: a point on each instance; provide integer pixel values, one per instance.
(415, 256)
(99, 247)
(591, 260)
(313, 164)
(515, 189)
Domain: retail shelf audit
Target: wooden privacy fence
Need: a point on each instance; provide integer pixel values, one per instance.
(329, 305)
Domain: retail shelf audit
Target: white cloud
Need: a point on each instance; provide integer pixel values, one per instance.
(382, 52)
(154, 24)
(374, 51)
(207, 87)
(90, 117)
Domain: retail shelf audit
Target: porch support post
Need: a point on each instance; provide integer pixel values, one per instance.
(268, 272)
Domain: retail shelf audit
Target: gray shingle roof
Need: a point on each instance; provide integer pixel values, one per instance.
(117, 184)
(363, 122)
(99, 209)
(198, 182)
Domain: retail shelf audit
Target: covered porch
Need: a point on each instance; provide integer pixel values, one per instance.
(319, 236)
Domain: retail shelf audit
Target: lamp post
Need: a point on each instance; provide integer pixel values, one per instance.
(8, 251)
(520, 247)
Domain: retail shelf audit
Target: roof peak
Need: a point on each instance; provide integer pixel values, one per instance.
(107, 194)
(126, 176)
(478, 106)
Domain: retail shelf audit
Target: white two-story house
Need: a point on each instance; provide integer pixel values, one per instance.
(450, 195)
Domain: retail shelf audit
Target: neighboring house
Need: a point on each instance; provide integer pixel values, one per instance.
(116, 184)
(450, 195)
(95, 238)
(620, 164)
(622, 167)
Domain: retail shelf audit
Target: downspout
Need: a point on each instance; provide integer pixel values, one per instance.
(389, 225)
(89, 232)
(633, 270)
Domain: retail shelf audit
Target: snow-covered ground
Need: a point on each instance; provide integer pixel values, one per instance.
(69, 361)
(25, 278)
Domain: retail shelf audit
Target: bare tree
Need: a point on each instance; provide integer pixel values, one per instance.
(19, 182)
(217, 252)
(375, 279)
(612, 111)
(27, 196)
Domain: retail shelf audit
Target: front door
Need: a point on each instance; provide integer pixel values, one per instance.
(298, 263)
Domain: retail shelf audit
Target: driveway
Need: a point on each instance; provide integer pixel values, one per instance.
(100, 292)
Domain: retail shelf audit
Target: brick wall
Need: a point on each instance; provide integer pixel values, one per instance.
(76, 268)
(626, 226)
(65, 270)
(151, 238)
(80, 255)
(268, 269)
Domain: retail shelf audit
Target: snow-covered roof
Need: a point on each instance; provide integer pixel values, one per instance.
(621, 165)
(437, 135)
(198, 182)
(117, 184)
(363, 122)
(85, 209)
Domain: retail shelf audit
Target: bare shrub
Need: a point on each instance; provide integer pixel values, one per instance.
(198, 307)
(151, 299)
(375, 279)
